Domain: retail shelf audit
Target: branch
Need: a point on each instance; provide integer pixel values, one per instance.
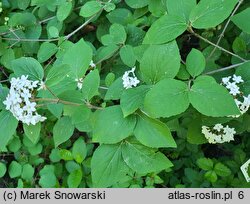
(217, 46)
(225, 68)
(225, 28)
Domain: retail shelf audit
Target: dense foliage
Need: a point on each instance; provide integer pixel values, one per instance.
(124, 93)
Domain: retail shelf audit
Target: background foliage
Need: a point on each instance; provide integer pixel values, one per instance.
(103, 135)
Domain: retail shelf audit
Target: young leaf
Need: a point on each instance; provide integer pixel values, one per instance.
(32, 132)
(153, 133)
(15, 169)
(90, 85)
(8, 126)
(240, 20)
(210, 13)
(79, 150)
(212, 99)
(222, 170)
(195, 62)
(62, 130)
(78, 57)
(28, 172)
(46, 51)
(136, 4)
(127, 55)
(211, 176)
(159, 62)
(90, 8)
(167, 98)
(165, 29)
(111, 127)
(64, 10)
(28, 66)
(205, 164)
(117, 35)
(132, 99)
(112, 164)
(74, 178)
(3, 169)
(143, 159)
(181, 8)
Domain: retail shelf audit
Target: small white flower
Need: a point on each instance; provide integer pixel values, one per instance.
(79, 83)
(128, 80)
(233, 88)
(244, 169)
(218, 127)
(237, 79)
(92, 64)
(226, 80)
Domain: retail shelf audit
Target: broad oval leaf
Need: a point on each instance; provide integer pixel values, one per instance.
(240, 20)
(165, 29)
(212, 99)
(109, 169)
(111, 127)
(153, 133)
(167, 98)
(210, 13)
(160, 61)
(28, 66)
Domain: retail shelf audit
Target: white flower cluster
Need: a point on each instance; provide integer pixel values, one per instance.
(218, 134)
(232, 84)
(19, 103)
(244, 168)
(128, 80)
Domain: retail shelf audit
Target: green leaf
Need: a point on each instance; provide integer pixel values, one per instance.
(212, 99)
(205, 164)
(15, 169)
(79, 150)
(117, 35)
(53, 31)
(28, 172)
(3, 169)
(111, 127)
(221, 170)
(90, 8)
(78, 57)
(127, 55)
(46, 51)
(66, 155)
(159, 62)
(211, 176)
(90, 85)
(8, 126)
(64, 11)
(167, 98)
(132, 99)
(32, 132)
(62, 130)
(143, 159)
(115, 90)
(165, 29)
(48, 180)
(78, 114)
(23, 4)
(136, 4)
(181, 8)
(194, 134)
(104, 53)
(210, 13)
(107, 170)
(74, 178)
(28, 66)
(195, 62)
(240, 20)
(153, 133)
(56, 74)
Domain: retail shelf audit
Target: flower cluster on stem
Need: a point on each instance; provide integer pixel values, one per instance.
(218, 133)
(232, 84)
(19, 102)
(129, 79)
